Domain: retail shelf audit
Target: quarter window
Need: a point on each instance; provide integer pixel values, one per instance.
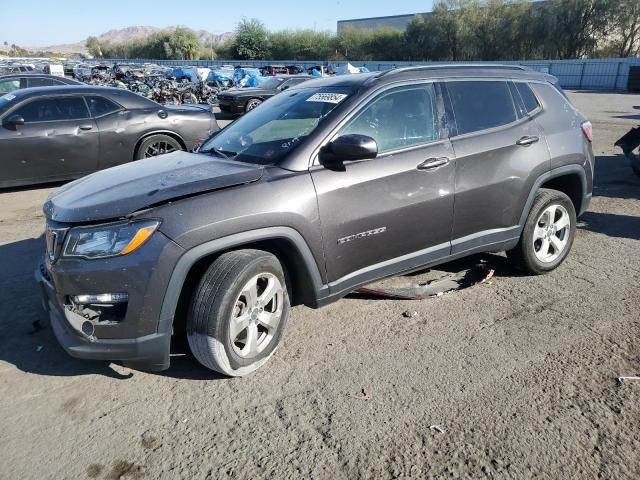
(101, 106)
(529, 99)
(40, 82)
(399, 118)
(48, 109)
(479, 105)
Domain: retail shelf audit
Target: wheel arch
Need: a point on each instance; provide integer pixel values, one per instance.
(285, 243)
(169, 133)
(569, 179)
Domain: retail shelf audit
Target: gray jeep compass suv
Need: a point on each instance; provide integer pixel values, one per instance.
(325, 187)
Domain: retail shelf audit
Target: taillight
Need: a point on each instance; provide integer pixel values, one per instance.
(587, 129)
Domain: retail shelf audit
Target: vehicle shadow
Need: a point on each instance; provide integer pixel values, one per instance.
(27, 340)
(614, 178)
(33, 187)
(611, 224)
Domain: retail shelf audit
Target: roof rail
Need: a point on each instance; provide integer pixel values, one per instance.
(448, 65)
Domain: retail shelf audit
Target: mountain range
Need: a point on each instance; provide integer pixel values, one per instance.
(132, 33)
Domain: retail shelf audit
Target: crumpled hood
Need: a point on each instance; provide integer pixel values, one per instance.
(119, 191)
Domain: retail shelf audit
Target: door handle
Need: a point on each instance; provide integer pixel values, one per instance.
(527, 140)
(430, 163)
(85, 127)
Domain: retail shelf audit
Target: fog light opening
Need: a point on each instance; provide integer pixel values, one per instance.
(100, 299)
(88, 329)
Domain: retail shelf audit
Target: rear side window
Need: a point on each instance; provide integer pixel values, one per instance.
(479, 105)
(49, 109)
(292, 82)
(528, 98)
(101, 106)
(41, 82)
(399, 118)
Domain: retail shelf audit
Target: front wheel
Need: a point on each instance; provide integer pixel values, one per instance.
(252, 103)
(239, 312)
(547, 235)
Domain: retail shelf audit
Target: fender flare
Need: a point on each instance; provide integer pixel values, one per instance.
(188, 259)
(556, 172)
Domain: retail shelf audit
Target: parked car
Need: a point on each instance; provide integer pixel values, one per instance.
(57, 133)
(333, 184)
(15, 81)
(241, 100)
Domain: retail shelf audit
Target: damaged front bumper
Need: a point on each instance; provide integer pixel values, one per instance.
(150, 352)
(110, 308)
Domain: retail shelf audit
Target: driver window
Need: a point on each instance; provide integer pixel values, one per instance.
(49, 109)
(398, 118)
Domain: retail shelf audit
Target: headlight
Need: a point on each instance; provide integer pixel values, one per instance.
(108, 240)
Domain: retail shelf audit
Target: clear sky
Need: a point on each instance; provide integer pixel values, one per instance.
(50, 22)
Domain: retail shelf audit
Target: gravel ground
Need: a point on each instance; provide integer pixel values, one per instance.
(518, 374)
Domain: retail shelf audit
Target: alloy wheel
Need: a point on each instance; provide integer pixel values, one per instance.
(551, 233)
(256, 315)
(159, 148)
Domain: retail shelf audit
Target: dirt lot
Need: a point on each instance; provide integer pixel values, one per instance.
(519, 374)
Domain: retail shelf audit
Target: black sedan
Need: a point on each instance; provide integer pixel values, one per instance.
(241, 100)
(58, 133)
(16, 81)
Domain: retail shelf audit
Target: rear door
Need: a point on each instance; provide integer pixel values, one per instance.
(500, 152)
(58, 140)
(375, 212)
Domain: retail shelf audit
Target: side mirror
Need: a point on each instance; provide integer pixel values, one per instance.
(348, 148)
(284, 87)
(13, 121)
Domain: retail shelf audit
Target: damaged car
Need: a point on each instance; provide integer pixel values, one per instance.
(62, 132)
(242, 100)
(334, 184)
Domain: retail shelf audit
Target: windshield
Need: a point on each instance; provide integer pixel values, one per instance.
(265, 135)
(271, 83)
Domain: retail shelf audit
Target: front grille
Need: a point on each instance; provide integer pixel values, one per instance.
(55, 239)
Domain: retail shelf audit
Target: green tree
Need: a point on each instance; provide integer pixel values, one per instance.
(182, 44)
(251, 41)
(623, 33)
(93, 46)
(575, 26)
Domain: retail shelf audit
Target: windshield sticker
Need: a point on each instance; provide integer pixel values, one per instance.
(327, 97)
(9, 97)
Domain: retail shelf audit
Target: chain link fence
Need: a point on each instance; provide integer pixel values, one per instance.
(587, 74)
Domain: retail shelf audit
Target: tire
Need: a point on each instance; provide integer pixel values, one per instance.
(544, 245)
(251, 104)
(223, 318)
(157, 143)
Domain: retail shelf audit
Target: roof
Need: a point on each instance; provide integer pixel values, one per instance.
(124, 97)
(70, 81)
(446, 70)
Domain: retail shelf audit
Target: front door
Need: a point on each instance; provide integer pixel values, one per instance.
(58, 140)
(394, 212)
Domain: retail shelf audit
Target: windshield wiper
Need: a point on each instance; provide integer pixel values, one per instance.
(223, 153)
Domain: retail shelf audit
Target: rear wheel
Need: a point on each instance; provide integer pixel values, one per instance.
(239, 312)
(157, 145)
(547, 235)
